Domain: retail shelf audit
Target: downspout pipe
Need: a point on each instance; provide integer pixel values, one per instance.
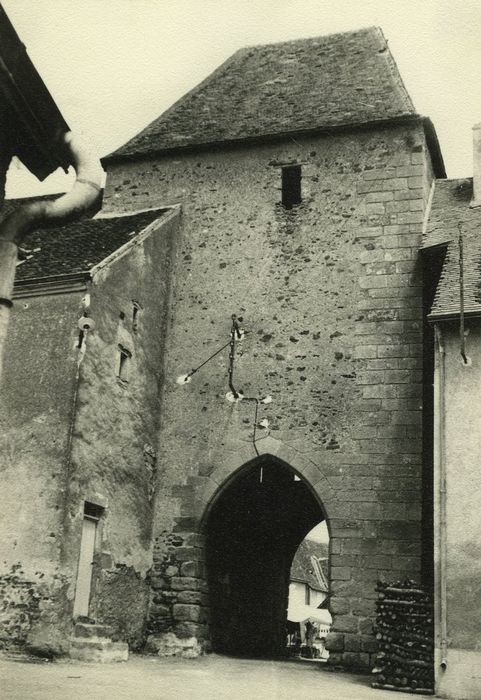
(442, 521)
(84, 199)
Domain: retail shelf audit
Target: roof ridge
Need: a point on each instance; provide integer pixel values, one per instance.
(315, 37)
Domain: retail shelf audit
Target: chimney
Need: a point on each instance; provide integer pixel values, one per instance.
(476, 201)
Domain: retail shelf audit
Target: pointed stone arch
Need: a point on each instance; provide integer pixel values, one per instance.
(304, 466)
(254, 519)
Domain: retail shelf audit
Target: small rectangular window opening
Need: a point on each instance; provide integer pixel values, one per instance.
(291, 186)
(124, 362)
(92, 510)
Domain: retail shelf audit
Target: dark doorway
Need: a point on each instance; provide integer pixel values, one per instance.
(253, 531)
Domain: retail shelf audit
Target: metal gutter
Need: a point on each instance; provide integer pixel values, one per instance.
(55, 284)
(440, 472)
(454, 315)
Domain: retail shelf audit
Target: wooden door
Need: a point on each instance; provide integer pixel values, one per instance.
(84, 573)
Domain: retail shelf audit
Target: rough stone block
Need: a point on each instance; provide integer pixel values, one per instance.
(186, 583)
(158, 582)
(351, 659)
(335, 660)
(195, 569)
(352, 643)
(339, 606)
(158, 625)
(192, 613)
(368, 644)
(188, 629)
(183, 554)
(414, 182)
(363, 607)
(195, 540)
(193, 598)
(335, 642)
(345, 623)
(381, 196)
(169, 644)
(335, 546)
(365, 661)
(159, 610)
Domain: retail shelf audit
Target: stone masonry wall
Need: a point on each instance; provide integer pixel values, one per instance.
(330, 292)
(114, 437)
(36, 411)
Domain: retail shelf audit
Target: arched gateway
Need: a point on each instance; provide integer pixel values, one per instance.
(220, 579)
(253, 527)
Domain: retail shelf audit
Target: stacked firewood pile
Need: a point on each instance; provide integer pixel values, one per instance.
(404, 632)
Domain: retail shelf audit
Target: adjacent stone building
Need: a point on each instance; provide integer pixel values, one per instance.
(79, 421)
(451, 250)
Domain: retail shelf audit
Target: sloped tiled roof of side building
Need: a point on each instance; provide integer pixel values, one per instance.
(451, 216)
(76, 247)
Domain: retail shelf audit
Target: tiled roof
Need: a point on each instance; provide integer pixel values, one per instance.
(303, 569)
(78, 246)
(329, 81)
(450, 213)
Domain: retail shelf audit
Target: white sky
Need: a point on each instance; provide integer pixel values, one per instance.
(115, 65)
(319, 533)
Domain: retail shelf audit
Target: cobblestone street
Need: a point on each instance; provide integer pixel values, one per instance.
(149, 678)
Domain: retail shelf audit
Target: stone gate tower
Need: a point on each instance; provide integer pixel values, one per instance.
(303, 174)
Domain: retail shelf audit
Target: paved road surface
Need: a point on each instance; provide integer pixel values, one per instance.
(208, 678)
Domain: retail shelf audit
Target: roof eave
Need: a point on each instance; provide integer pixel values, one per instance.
(314, 587)
(435, 247)
(400, 120)
(453, 315)
(36, 122)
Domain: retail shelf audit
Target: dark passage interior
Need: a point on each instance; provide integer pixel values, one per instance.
(253, 531)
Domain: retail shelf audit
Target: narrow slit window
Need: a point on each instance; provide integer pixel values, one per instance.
(135, 315)
(291, 186)
(123, 364)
